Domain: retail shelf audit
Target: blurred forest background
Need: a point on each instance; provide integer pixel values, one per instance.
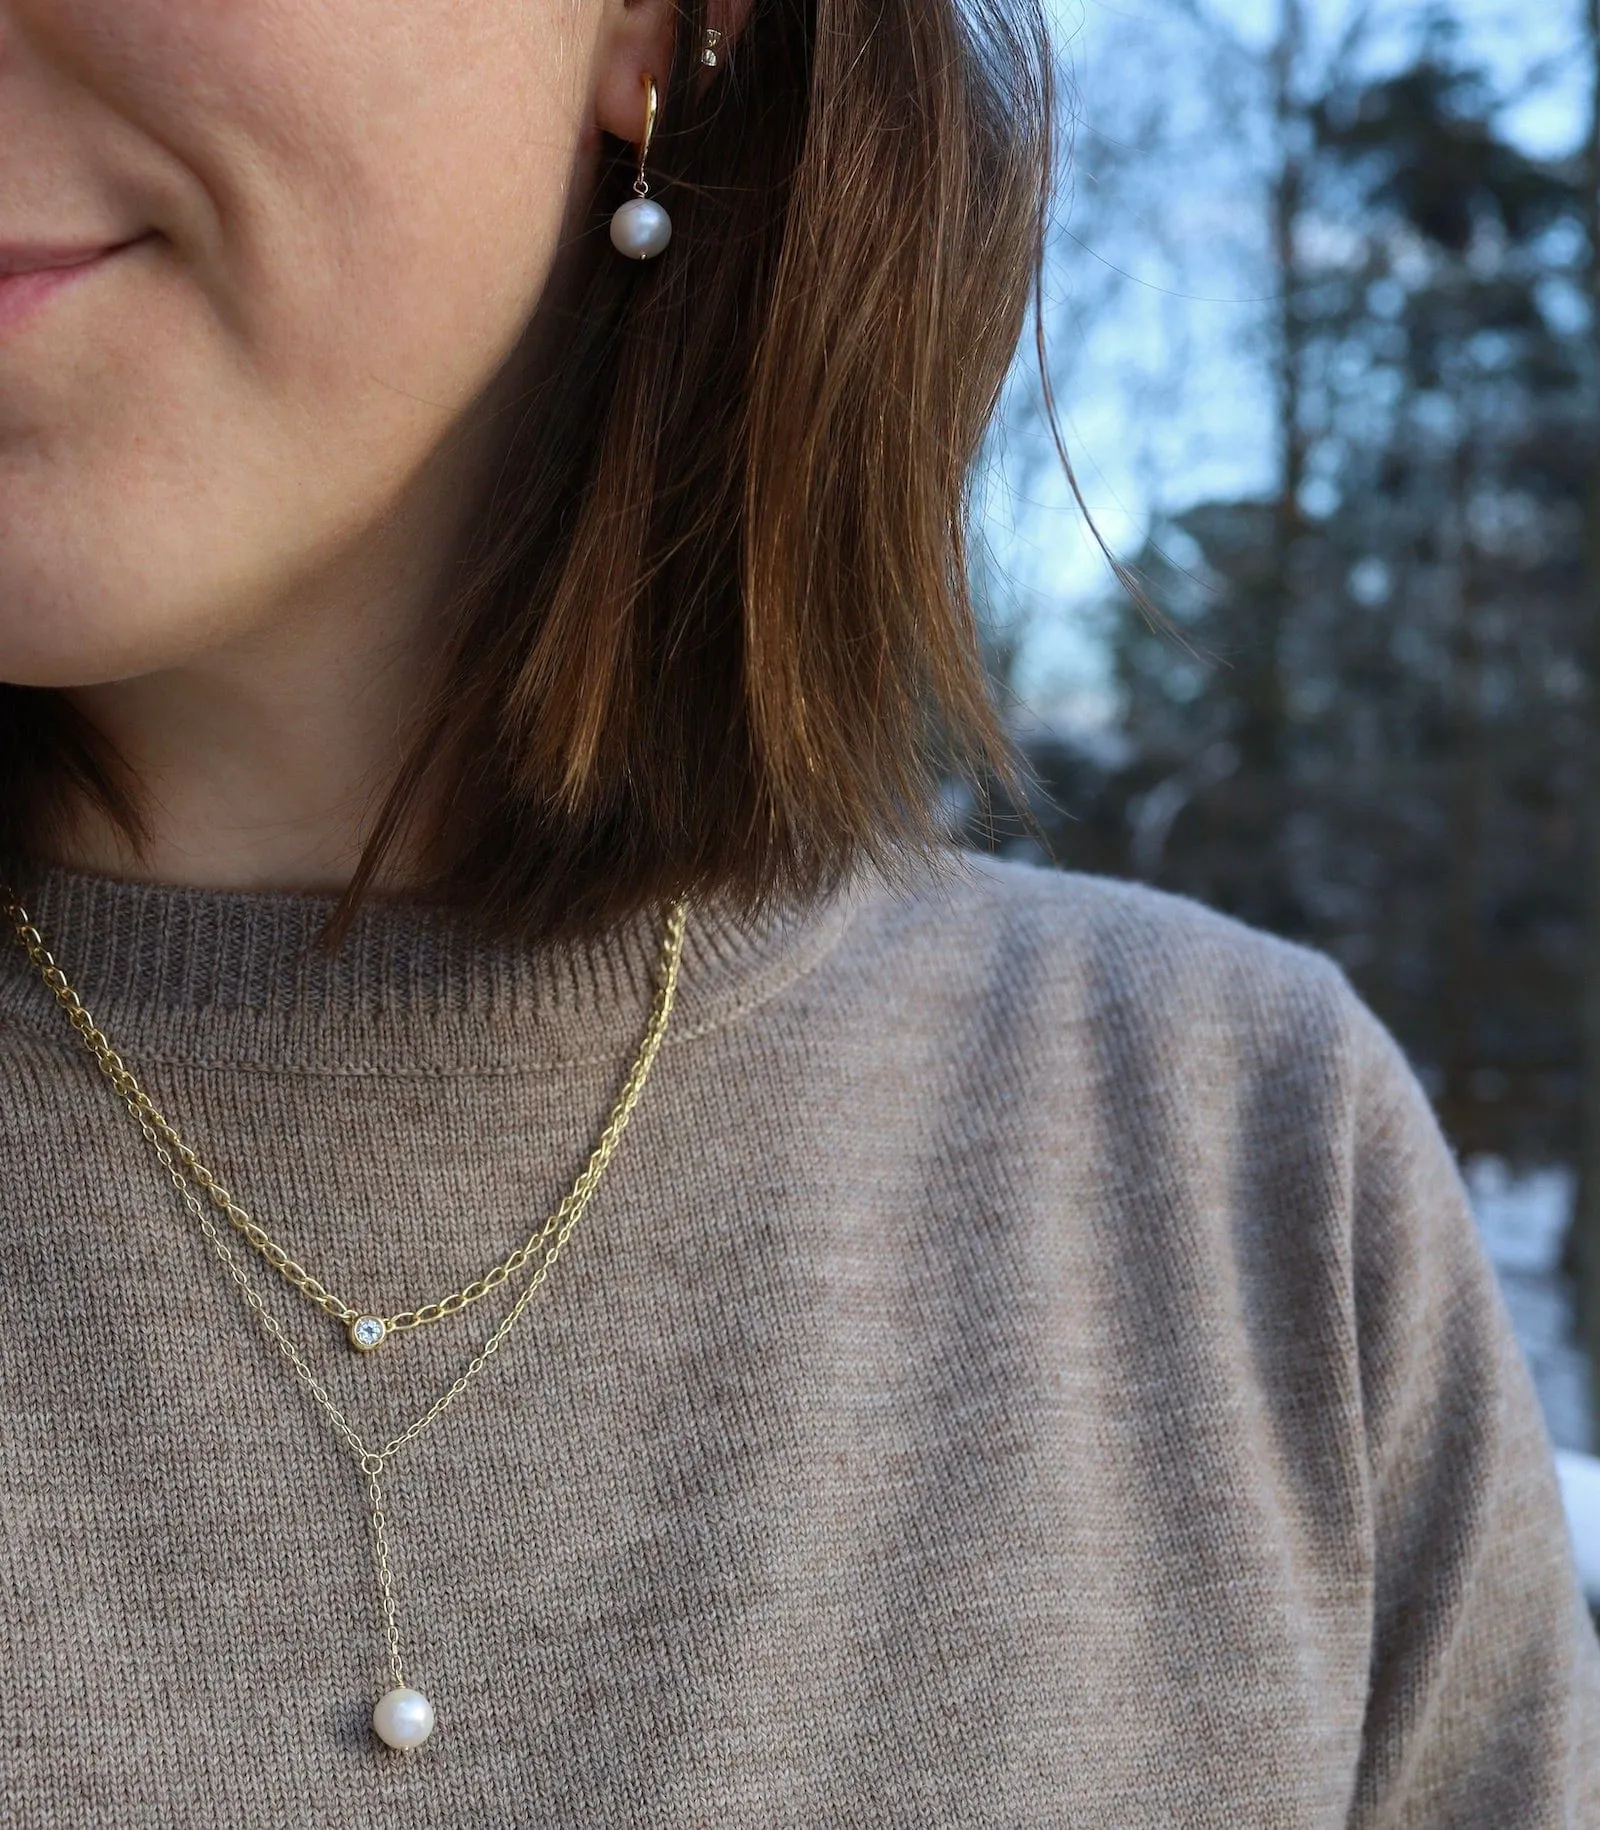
(1323, 320)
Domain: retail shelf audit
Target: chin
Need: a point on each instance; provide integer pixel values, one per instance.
(62, 638)
(106, 583)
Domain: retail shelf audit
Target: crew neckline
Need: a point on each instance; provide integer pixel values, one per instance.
(176, 975)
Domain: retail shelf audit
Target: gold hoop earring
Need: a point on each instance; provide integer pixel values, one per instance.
(640, 228)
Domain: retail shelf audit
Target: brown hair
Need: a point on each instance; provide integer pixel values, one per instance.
(713, 630)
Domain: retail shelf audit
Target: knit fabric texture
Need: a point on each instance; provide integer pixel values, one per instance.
(1029, 1363)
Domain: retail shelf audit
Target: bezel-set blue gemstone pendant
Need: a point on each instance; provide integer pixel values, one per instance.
(367, 1332)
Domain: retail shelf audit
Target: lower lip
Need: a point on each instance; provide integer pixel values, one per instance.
(24, 295)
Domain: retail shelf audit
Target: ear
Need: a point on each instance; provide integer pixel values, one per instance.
(639, 36)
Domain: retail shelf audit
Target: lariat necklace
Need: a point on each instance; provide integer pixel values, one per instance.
(403, 1717)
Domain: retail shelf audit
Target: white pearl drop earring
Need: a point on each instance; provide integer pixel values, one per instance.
(640, 228)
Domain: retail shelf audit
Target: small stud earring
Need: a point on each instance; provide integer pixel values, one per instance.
(640, 228)
(710, 38)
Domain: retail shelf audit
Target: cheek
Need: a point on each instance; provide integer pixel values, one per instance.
(358, 205)
(397, 213)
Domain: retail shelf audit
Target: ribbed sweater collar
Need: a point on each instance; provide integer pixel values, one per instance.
(232, 978)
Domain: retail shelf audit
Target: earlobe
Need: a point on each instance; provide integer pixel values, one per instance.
(640, 38)
(644, 37)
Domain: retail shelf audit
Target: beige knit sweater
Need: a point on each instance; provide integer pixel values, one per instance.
(1029, 1364)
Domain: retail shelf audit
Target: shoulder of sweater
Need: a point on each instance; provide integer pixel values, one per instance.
(998, 956)
(987, 920)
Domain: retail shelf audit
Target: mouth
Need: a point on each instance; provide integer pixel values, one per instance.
(32, 275)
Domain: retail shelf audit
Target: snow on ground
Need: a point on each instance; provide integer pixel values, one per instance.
(1580, 1489)
(1523, 1216)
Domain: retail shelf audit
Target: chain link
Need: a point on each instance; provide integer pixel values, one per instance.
(149, 1118)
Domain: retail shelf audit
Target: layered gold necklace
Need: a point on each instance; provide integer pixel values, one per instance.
(403, 1716)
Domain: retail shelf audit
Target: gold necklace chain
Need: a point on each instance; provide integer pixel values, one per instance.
(365, 1328)
(403, 1717)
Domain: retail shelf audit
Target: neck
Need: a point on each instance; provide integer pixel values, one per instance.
(261, 762)
(261, 765)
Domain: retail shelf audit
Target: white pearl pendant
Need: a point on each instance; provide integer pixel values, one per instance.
(403, 1718)
(640, 228)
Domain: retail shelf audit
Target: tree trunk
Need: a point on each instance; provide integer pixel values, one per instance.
(1584, 1246)
(1468, 793)
(1262, 737)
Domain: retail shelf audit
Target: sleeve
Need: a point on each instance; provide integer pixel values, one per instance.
(1483, 1699)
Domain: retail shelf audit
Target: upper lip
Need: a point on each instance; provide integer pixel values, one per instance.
(42, 257)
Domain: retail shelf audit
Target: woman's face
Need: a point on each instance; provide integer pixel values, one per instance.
(321, 227)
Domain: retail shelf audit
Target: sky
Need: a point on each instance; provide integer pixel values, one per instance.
(1159, 375)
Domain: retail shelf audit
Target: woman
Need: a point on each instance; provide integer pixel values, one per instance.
(1018, 1353)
